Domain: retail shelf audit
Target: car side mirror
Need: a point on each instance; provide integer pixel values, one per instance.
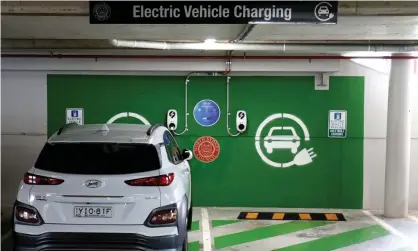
(187, 154)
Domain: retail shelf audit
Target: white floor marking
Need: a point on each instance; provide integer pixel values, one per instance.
(6, 236)
(207, 239)
(230, 229)
(242, 227)
(413, 218)
(194, 236)
(298, 237)
(392, 230)
(385, 243)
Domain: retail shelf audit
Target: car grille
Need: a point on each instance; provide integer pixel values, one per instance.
(91, 241)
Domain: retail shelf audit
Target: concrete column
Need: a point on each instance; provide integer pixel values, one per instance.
(398, 143)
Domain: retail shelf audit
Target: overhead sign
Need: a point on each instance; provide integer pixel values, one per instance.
(337, 124)
(212, 12)
(75, 115)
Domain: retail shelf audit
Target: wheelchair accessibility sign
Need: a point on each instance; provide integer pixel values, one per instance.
(75, 115)
(337, 124)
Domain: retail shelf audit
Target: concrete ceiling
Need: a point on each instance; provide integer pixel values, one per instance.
(66, 24)
(348, 28)
(78, 27)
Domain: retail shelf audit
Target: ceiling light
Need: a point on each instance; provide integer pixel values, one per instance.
(366, 54)
(210, 41)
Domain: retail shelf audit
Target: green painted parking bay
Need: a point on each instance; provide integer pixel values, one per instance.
(263, 232)
(358, 233)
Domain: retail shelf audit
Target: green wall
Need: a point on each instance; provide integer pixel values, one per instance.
(239, 177)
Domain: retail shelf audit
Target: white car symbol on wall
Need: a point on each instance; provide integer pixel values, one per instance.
(323, 10)
(291, 141)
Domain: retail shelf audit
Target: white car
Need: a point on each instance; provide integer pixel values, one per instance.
(106, 187)
(290, 141)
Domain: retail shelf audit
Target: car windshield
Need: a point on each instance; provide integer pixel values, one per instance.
(98, 158)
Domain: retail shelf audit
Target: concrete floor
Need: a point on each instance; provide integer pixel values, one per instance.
(221, 230)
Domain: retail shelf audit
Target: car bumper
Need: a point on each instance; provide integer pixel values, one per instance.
(94, 241)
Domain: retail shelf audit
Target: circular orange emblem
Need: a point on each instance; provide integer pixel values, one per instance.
(206, 149)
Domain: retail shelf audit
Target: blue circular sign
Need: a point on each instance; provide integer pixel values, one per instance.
(206, 112)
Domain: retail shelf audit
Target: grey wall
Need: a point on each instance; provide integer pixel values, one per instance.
(23, 101)
(23, 110)
(375, 117)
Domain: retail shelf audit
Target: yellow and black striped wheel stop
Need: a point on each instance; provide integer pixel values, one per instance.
(291, 216)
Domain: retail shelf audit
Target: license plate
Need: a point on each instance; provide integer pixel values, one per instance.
(93, 212)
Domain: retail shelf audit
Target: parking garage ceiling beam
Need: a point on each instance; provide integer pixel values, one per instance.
(45, 8)
(103, 44)
(81, 8)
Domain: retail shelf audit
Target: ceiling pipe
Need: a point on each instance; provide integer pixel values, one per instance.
(248, 28)
(283, 47)
(245, 32)
(318, 57)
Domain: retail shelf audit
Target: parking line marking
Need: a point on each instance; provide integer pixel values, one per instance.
(264, 232)
(339, 241)
(391, 229)
(220, 223)
(207, 239)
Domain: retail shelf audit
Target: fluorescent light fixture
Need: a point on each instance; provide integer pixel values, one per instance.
(374, 54)
(367, 54)
(210, 41)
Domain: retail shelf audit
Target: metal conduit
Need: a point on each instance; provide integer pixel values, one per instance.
(186, 113)
(186, 83)
(23, 134)
(188, 57)
(308, 48)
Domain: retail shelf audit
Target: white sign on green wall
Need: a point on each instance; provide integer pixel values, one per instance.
(75, 115)
(337, 124)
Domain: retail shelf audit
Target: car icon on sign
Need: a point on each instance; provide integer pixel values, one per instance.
(288, 141)
(323, 10)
